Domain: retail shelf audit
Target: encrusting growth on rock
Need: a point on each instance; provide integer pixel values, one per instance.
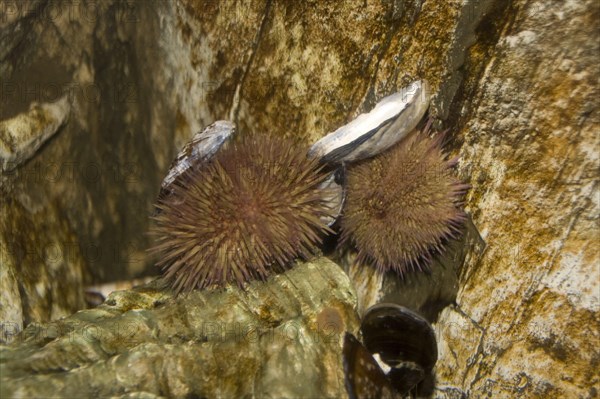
(255, 206)
(403, 204)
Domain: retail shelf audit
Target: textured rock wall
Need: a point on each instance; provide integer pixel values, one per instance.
(82, 200)
(526, 323)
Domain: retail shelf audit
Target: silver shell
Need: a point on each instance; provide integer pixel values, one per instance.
(200, 148)
(372, 133)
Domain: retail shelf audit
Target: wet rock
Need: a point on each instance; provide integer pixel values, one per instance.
(42, 270)
(527, 313)
(22, 136)
(279, 338)
(425, 292)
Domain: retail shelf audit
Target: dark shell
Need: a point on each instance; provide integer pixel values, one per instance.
(364, 377)
(403, 339)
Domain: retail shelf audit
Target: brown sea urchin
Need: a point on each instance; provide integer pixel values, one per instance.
(403, 204)
(256, 205)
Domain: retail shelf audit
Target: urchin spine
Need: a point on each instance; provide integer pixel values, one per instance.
(241, 215)
(403, 204)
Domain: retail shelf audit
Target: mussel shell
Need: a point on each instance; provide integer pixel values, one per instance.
(369, 134)
(200, 148)
(363, 376)
(399, 336)
(405, 376)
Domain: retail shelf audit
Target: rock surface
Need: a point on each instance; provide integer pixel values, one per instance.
(516, 82)
(42, 260)
(281, 338)
(527, 314)
(427, 293)
(22, 136)
(88, 190)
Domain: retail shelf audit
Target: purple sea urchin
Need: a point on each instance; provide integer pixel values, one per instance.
(255, 205)
(403, 204)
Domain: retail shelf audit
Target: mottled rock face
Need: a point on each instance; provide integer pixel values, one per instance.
(514, 81)
(50, 269)
(84, 195)
(527, 315)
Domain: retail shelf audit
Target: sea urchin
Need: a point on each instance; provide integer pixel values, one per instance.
(403, 204)
(254, 206)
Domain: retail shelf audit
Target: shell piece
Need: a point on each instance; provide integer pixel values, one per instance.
(403, 339)
(369, 134)
(363, 376)
(200, 148)
(334, 194)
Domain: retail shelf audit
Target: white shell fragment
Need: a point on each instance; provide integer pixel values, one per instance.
(369, 134)
(200, 148)
(335, 195)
